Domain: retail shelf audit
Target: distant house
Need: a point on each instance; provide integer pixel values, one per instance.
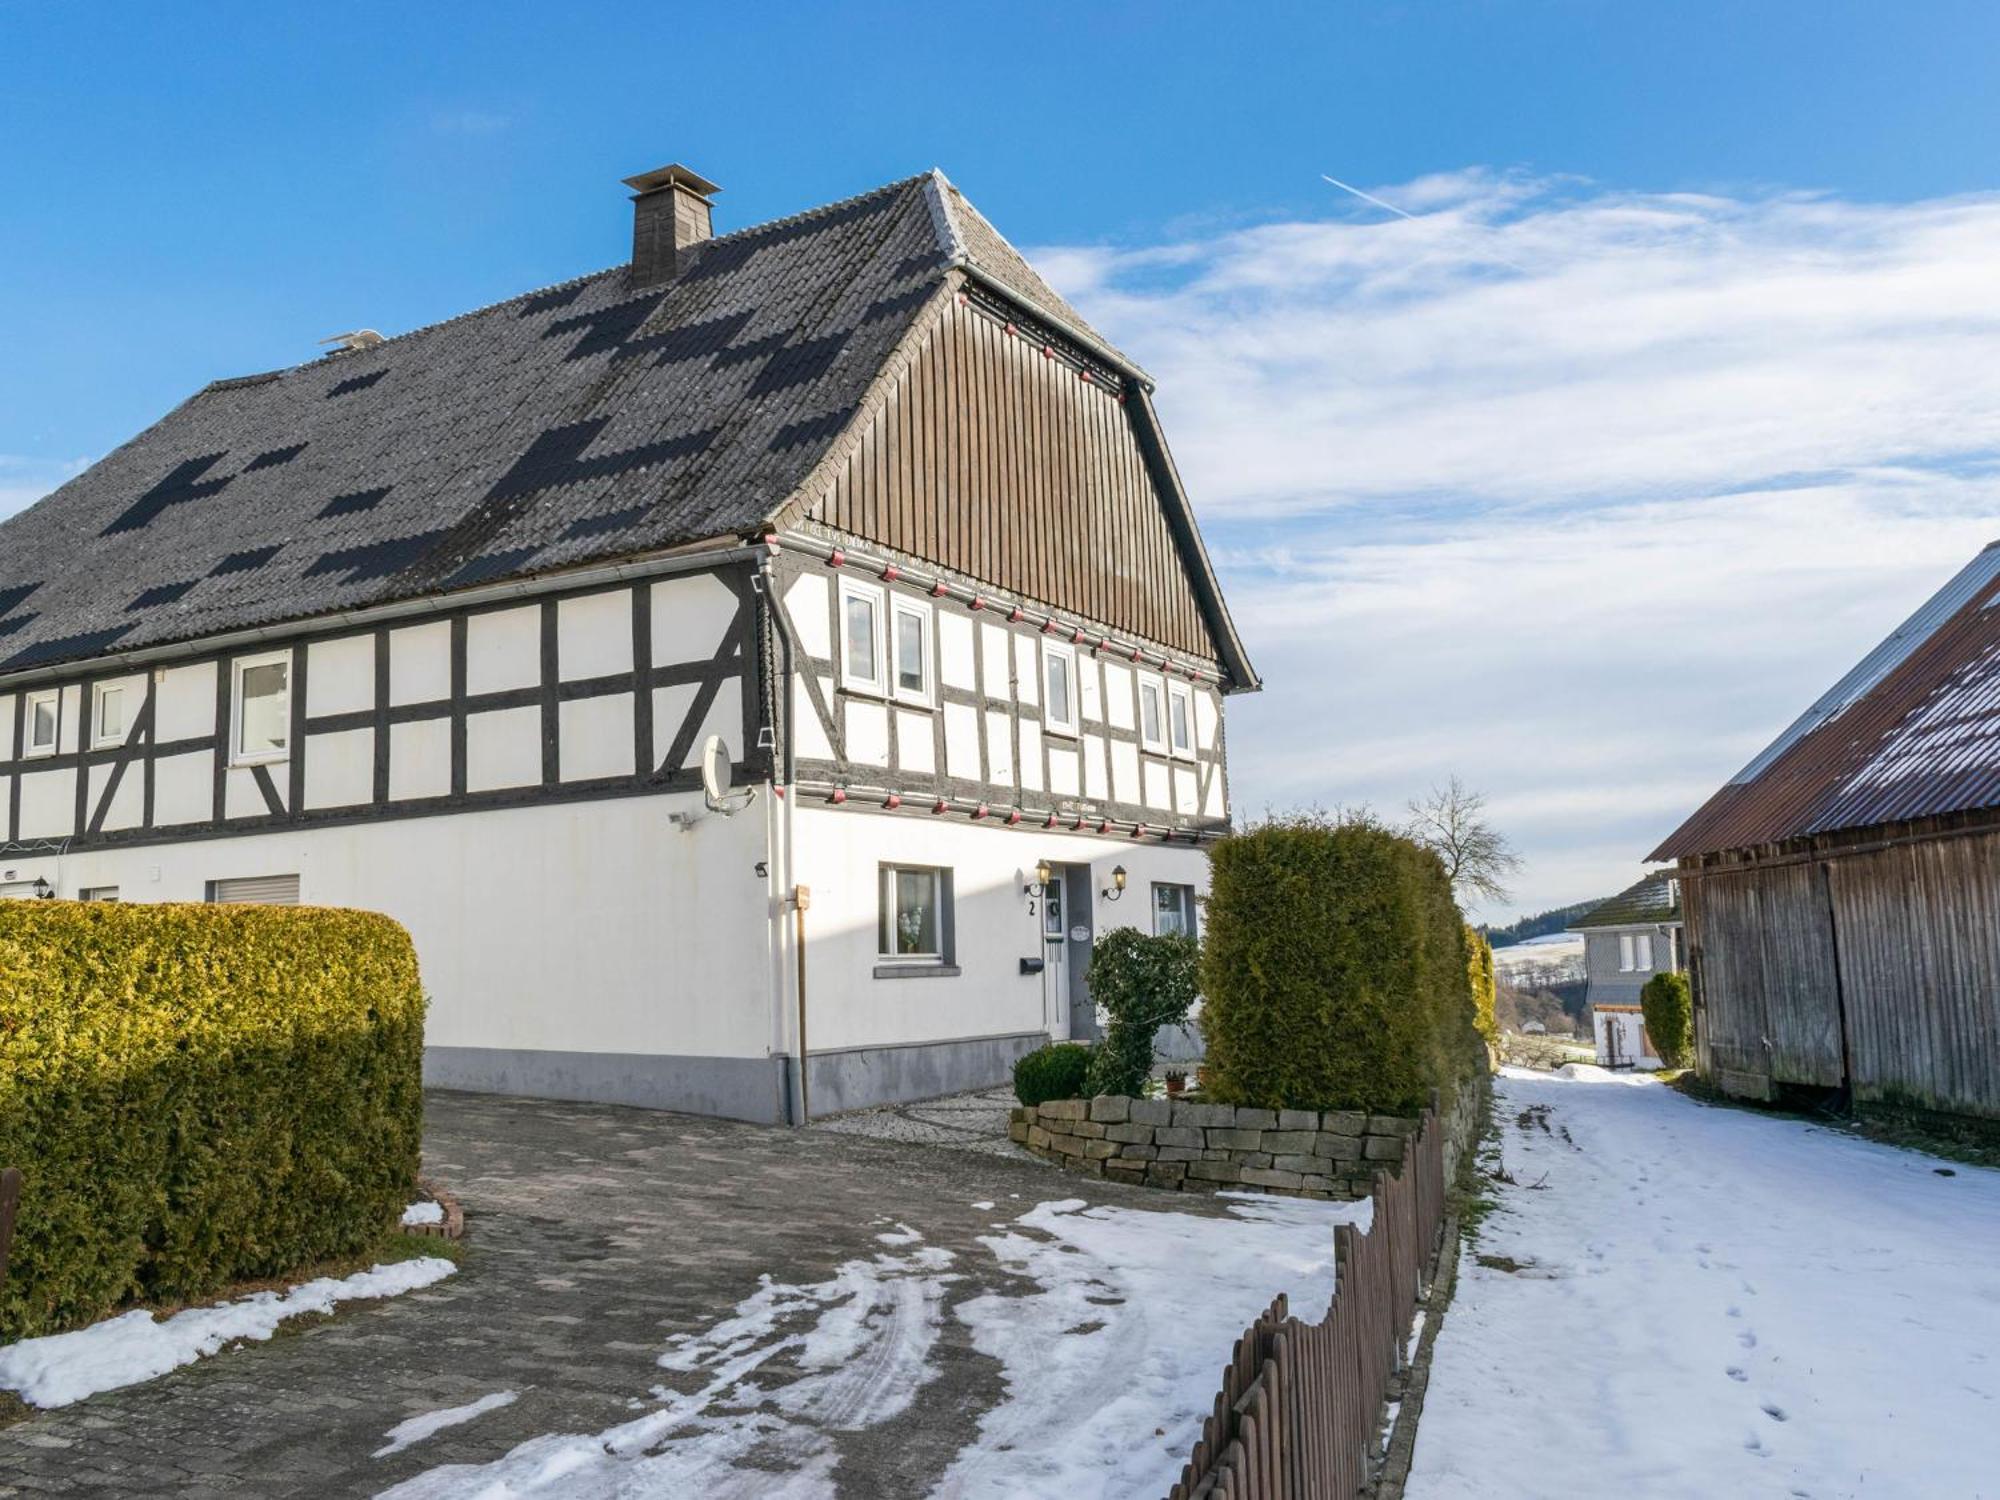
(1843, 891)
(849, 511)
(1626, 941)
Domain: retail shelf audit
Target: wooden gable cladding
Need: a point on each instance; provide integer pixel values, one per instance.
(1012, 467)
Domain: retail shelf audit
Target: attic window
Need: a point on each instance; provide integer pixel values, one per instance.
(44, 716)
(263, 714)
(861, 643)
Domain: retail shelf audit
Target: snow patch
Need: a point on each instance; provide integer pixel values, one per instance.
(408, 1433)
(425, 1212)
(65, 1367)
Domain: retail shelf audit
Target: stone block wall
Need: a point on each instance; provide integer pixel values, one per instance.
(1205, 1147)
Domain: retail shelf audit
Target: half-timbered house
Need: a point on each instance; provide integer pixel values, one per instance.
(1842, 893)
(440, 625)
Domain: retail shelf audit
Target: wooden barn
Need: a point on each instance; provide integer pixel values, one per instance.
(1842, 893)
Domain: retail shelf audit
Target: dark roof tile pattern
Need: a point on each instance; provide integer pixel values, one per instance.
(1912, 732)
(572, 424)
(1654, 899)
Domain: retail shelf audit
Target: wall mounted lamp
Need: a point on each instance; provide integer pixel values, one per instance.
(1117, 886)
(1040, 884)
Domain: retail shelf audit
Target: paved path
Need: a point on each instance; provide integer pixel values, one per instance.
(599, 1238)
(975, 1122)
(1676, 1300)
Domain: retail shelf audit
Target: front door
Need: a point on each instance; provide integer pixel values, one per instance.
(1055, 956)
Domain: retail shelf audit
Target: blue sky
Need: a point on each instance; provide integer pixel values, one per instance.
(1673, 395)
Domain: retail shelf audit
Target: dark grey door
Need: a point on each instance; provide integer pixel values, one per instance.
(1079, 938)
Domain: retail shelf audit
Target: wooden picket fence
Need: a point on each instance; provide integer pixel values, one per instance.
(1297, 1417)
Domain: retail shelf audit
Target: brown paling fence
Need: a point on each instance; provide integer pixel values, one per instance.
(1296, 1417)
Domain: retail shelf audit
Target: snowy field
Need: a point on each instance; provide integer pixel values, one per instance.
(1710, 1302)
(1110, 1327)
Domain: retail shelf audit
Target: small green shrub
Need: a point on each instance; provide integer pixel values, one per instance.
(1335, 973)
(198, 1095)
(1668, 1006)
(1142, 983)
(1056, 1071)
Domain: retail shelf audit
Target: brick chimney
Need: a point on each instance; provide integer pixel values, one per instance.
(670, 217)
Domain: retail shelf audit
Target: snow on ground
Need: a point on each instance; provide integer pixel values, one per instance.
(414, 1430)
(1711, 1301)
(425, 1212)
(65, 1367)
(1110, 1327)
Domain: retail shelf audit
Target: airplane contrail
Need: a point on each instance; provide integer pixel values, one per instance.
(1366, 197)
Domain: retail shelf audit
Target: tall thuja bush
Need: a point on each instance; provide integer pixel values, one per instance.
(1479, 974)
(199, 1094)
(1335, 973)
(1141, 983)
(1668, 1006)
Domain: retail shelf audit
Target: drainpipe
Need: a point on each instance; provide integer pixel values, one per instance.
(801, 899)
(785, 773)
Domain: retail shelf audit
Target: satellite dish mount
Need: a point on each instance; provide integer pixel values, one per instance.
(717, 771)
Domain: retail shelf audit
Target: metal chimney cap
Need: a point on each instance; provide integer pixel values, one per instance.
(672, 175)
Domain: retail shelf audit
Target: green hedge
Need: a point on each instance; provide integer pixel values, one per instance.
(1668, 1006)
(199, 1094)
(1056, 1071)
(1141, 983)
(1479, 973)
(1334, 974)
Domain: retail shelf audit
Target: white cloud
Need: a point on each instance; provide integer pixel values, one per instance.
(1582, 494)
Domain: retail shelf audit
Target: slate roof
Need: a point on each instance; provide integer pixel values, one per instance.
(1653, 900)
(584, 421)
(1913, 731)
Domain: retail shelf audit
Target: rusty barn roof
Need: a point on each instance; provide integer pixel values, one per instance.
(1912, 732)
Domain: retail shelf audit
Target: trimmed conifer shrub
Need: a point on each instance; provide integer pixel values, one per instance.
(197, 1095)
(1668, 1006)
(1142, 983)
(1334, 974)
(1479, 973)
(1056, 1071)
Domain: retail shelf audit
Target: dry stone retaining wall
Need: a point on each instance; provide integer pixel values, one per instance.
(1187, 1147)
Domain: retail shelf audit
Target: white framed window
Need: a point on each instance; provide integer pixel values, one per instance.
(1152, 714)
(1059, 687)
(1180, 719)
(913, 656)
(1625, 953)
(915, 921)
(107, 715)
(1173, 909)
(260, 711)
(44, 719)
(1642, 952)
(98, 893)
(863, 650)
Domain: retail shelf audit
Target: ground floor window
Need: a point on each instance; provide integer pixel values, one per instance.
(98, 893)
(260, 890)
(915, 924)
(1173, 908)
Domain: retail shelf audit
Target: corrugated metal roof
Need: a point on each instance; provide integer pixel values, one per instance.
(1912, 732)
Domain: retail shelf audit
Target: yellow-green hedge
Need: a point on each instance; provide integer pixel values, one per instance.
(199, 1094)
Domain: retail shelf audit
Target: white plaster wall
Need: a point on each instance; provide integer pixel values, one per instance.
(184, 706)
(503, 650)
(419, 663)
(419, 760)
(838, 852)
(340, 675)
(594, 635)
(340, 767)
(582, 927)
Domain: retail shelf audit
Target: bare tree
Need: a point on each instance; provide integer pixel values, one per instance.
(1450, 822)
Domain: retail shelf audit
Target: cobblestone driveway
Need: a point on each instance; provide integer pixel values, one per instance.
(595, 1235)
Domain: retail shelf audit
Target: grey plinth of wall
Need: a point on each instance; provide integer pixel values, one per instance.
(1204, 1148)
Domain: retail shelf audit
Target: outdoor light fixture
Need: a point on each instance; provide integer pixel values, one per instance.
(43, 890)
(1117, 886)
(1040, 884)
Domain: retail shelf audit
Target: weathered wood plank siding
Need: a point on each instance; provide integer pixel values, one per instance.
(1013, 469)
(1877, 966)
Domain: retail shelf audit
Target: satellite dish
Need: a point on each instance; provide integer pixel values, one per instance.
(716, 767)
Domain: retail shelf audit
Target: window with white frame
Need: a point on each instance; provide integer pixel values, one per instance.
(1173, 908)
(1180, 719)
(863, 653)
(1059, 687)
(98, 893)
(915, 925)
(1152, 714)
(261, 709)
(1642, 952)
(107, 715)
(44, 718)
(910, 640)
(1625, 953)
